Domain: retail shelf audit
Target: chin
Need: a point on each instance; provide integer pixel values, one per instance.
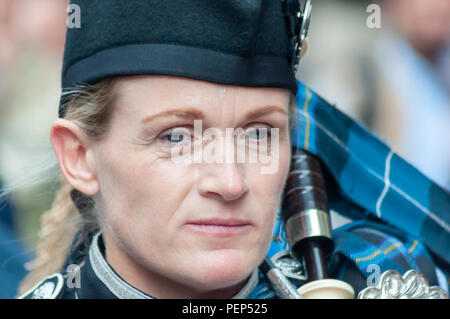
(223, 269)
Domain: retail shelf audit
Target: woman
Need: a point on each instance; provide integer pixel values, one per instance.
(174, 147)
(137, 223)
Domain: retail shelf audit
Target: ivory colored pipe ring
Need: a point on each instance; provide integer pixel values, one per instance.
(326, 289)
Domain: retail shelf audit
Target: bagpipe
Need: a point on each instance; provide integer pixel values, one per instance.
(399, 237)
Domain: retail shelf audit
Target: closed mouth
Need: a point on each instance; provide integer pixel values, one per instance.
(219, 227)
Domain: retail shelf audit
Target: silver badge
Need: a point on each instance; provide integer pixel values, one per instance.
(289, 267)
(44, 292)
(412, 285)
(49, 288)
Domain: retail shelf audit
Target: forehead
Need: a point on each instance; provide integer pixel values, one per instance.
(150, 93)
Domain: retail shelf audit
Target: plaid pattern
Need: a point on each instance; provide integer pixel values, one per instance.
(400, 216)
(263, 290)
(366, 247)
(370, 179)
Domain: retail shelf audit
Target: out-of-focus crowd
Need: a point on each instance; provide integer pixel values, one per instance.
(31, 46)
(395, 80)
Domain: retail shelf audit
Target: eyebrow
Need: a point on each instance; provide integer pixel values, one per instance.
(193, 113)
(265, 110)
(181, 113)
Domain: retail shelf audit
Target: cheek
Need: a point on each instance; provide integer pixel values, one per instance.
(141, 202)
(269, 186)
(267, 190)
(138, 187)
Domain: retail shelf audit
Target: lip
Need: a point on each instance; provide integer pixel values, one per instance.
(219, 227)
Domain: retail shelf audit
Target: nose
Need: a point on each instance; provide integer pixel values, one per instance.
(223, 181)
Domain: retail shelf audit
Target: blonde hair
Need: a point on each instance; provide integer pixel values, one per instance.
(72, 212)
(88, 107)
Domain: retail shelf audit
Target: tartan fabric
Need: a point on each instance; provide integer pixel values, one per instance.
(371, 248)
(263, 290)
(400, 218)
(368, 178)
(360, 245)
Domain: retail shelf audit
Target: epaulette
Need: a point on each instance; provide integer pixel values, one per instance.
(49, 288)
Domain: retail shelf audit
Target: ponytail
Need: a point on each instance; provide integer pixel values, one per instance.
(58, 227)
(72, 213)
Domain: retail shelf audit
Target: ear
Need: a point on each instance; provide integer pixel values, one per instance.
(75, 156)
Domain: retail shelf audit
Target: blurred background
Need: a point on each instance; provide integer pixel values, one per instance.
(395, 80)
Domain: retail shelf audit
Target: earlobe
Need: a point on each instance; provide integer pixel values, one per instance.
(72, 147)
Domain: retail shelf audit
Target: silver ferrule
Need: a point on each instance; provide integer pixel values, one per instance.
(282, 285)
(308, 223)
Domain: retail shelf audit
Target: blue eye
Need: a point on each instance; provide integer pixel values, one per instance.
(258, 133)
(177, 139)
(175, 136)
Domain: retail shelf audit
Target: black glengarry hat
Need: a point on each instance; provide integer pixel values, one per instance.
(252, 43)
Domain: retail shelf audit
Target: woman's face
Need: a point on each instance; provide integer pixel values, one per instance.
(195, 228)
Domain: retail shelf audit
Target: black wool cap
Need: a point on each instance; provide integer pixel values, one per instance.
(234, 42)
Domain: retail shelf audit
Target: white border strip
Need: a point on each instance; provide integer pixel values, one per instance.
(387, 183)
